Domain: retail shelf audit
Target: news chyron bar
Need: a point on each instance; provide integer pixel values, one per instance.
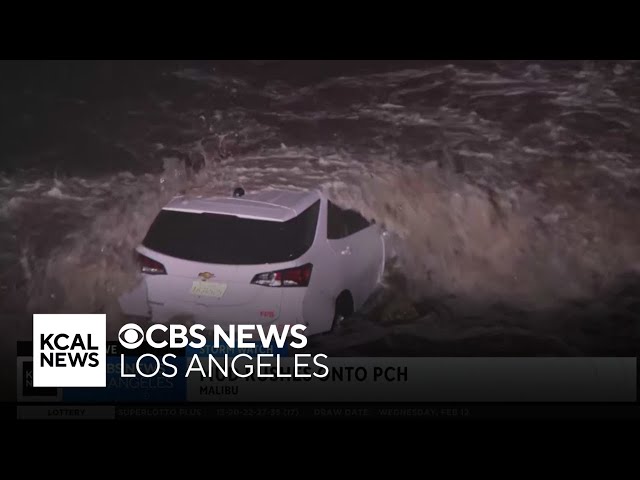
(71, 370)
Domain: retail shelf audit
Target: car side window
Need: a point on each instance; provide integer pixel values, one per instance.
(341, 222)
(336, 228)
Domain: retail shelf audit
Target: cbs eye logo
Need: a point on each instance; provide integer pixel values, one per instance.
(131, 336)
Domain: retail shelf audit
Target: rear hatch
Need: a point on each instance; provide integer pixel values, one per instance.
(210, 259)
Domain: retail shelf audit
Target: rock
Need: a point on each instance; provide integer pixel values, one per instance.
(195, 162)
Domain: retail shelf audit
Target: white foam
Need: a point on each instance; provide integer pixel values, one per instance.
(55, 192)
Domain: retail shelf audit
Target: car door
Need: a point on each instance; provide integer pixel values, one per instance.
(359, 246)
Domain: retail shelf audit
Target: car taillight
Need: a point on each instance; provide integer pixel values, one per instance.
(290, 277)
(150, 266)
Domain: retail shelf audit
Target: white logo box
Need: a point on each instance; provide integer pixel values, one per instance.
(93, 326)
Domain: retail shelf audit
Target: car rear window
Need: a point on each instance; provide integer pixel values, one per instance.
(227, 239)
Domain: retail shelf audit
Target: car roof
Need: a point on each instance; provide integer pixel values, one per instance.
(274, 205)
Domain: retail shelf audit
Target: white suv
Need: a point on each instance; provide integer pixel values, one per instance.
(273, 257)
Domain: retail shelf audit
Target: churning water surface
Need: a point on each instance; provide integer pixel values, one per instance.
(510, 189)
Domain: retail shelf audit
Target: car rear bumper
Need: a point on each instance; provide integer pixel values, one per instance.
(250, 314)
(284, 308)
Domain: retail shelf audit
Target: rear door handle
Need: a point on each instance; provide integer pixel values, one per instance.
(346, 251)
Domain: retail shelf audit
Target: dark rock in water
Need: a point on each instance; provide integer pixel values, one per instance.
(195, 162)
(219, 147)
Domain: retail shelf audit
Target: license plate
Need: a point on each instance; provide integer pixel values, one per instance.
(208, 289)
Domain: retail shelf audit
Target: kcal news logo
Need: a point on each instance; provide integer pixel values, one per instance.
(69, 350)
